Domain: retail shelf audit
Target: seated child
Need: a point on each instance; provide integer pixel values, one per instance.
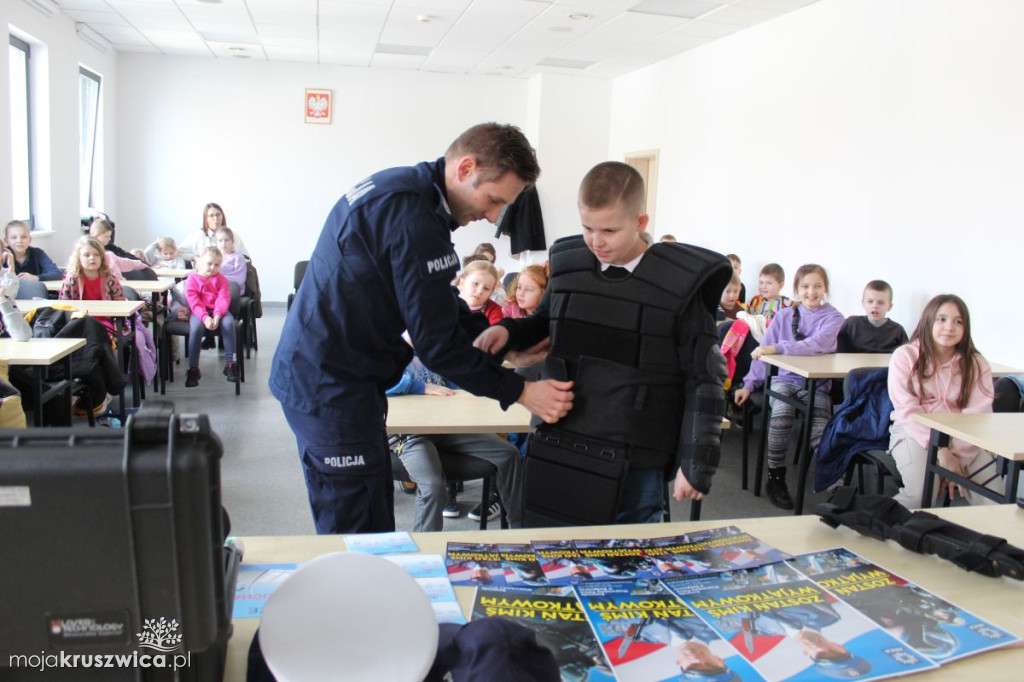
(89, 278)
(119, 260)
(525, 292)
(421, 455)
(486, 249)
(938, 372)
(730, 304)
(743, 335)
(209, 295)
(810, 328)
(27, 261)
(475, 283)
(234, 266)
(737, 267)
(166, 255)
(873, 332)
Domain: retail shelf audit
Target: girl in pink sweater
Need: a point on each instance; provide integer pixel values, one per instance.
(209, 296)
(939, 371)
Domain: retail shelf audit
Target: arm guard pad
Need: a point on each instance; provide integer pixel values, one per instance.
(700, 440)
(884, 518)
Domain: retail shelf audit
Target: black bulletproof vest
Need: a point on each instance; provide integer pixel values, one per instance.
(618, 339)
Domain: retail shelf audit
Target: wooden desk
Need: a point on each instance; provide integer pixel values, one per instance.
(143, 286)
(40, 354)
(1001, 434)
(812, 368)
(459, 413)
(987, 597)
(176, 273)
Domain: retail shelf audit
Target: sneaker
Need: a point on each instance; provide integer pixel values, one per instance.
(231, 371)
(493, 510)
(778, 492)
(192, 377)
(451, 508)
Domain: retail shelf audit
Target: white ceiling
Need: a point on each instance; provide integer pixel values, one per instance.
(511, 38)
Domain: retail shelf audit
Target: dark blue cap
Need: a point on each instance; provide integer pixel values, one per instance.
(495, 649)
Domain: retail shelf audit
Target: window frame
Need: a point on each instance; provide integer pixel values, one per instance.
(26, 47)
(91, 75)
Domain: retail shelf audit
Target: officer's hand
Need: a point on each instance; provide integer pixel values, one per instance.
(435, 389)
(549, 399)
(531, 356)
(740, 395)
(683, 490)
(492, 339)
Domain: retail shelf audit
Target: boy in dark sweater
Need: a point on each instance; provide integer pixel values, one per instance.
(872, 333)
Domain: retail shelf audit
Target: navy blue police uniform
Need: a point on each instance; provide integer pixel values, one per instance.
(383, 264)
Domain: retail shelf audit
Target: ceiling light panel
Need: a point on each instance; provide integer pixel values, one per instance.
(147, 15)
(96, 19)
(687, 9)
(745, 16)
(625, 31)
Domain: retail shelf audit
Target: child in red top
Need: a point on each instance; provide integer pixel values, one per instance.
(89, 277)
(476, 283)
(209, 296)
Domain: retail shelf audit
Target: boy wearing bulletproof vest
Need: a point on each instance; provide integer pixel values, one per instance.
(633, 325)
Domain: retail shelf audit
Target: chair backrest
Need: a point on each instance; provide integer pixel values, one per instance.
(1009, 397)
(236, 297)
(143, 275)
(31, 289)
(130, 293)
(300, 272)
(507, 281)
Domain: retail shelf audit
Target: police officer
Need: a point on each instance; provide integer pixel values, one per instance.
(382, 265)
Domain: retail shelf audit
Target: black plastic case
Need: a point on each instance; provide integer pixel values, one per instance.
(105, 532)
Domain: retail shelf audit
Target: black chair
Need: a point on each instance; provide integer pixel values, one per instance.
(507, 280)
(176, 327)
(459, 469)
(143, 275)
(300, 272)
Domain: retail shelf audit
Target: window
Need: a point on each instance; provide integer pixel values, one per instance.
(21, 132)
(88, 125)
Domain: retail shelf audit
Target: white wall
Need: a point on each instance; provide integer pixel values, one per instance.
(880, 138)
(200, 130)
(57, 135)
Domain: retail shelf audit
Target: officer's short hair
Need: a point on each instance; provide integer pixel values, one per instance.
(498, 149)
(613, 183)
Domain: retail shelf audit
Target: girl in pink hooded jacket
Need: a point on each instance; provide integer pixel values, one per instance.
(939, 371)
(209, 296)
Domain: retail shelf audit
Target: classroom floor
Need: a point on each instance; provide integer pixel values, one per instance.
(263, 488)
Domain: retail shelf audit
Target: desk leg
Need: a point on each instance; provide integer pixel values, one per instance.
(38, 419)
(67, 389)
(804, 448)
(1011, 484)
(762, 446)
(936, 441)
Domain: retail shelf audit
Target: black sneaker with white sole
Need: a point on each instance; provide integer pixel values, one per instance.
(493, 510)
(451, 507)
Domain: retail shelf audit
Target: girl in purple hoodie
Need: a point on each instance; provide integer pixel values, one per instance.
(810, 328)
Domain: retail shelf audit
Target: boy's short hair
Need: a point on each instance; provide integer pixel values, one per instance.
(879, 285)
(613, 183)
(498, 149)
(478, 265)
(166, 243)
(667, 238)
(775, 271)
(474, 257)
(735, 279)
(15, 223)
(734, 258)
